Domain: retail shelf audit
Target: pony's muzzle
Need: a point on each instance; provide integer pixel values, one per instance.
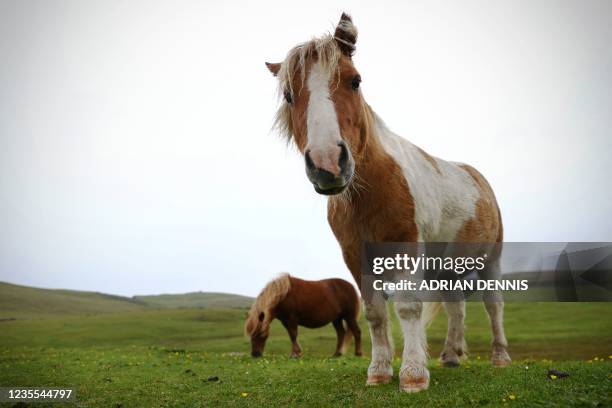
(330, 172)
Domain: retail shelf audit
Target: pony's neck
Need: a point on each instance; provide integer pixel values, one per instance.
(378, 206)
(370, 167)
(374, 167)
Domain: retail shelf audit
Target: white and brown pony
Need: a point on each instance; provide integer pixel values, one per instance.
(313, 304)
(382, 188)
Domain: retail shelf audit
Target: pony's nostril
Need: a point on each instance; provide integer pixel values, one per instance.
(344, 155)
(309, 163)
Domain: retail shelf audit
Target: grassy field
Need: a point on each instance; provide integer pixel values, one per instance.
(19, 302)
(198, 357)
(23, 302)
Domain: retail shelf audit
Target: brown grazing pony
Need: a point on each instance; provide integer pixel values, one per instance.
(382, 188)
(297, 302)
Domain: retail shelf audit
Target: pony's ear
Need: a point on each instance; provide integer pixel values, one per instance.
(346, 35)
(261, 316)
(273, 67)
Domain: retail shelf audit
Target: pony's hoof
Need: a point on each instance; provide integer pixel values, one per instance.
(377, 379)
(295, 355)
(358, 353)
(453, 363)
(379, 372)
(414, 384)
(449, 360)
(336, 354)
(500, 358)
(414, 379)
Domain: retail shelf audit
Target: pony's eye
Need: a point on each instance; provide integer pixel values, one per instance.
(288, 97)
(355, 82)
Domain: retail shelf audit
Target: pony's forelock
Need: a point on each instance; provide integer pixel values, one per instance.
(327, 52)
(272, 294)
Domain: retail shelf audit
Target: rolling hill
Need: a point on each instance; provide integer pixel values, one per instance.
(23, 302)
(197, 300)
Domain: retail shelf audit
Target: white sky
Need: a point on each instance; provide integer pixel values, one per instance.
(135, 147)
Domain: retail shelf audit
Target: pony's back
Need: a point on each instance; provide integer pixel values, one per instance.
(320, 299)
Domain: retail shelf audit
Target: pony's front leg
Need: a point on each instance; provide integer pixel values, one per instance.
(292, 330)
(380, 370)
(414, 375)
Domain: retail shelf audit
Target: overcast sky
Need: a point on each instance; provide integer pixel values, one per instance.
(135, 148)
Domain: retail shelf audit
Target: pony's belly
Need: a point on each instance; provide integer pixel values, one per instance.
(313, 324)
(446, 231)
(314, 319)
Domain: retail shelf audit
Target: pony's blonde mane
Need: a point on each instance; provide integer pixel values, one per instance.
(272, 294)
(327, 52)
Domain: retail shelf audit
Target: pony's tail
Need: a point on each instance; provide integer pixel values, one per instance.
(357, 305)
(348, 336)
(272, 294)
(430, 310)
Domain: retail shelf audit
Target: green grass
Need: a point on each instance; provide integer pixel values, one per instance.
(141, 376)
(164, 358)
